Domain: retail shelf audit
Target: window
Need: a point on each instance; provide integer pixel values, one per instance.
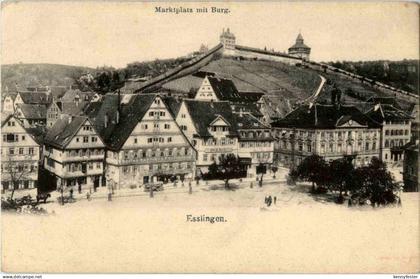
(157, 101)
(151, 113)
(183, 127)
(77, 139)
(162, 113)
(144, 126)
(135, 140)
(167, 126)
(367, 146)
(11, 151)
(98, 165)
(150, 140)
(183, 115)
(21, 151)
(23, 138)
(169, 139)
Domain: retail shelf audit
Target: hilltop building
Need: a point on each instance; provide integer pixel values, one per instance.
(230, 48)
(299, 49)
(330, 131)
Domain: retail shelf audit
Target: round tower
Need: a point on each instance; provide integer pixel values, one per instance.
(299, 49)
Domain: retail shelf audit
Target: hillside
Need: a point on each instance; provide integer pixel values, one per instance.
(278, 80)
(40, 74)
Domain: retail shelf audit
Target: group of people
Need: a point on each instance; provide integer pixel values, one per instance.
(270, 200)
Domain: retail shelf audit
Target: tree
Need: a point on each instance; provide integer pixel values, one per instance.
(340, 171)
(373, 182)
(15, 171)
(227, 168)
(313, 169)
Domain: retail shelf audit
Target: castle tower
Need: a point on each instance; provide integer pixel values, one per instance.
(299, 49)
(227, 39)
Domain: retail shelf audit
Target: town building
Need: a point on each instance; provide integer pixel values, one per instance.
(58, 109)
(330, 131)
(20, 155)
(144, 143)
(411, 166)
(396, 130)
(211, 128)
(256, 145)
(74, 153)
(8, 102)
(32, 98)
(31, 115)
(217, 89)
(299, 49)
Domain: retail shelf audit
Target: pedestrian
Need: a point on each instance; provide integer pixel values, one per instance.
(266, 200)
(275, 199)
(71, 193)
(79, 187)
(270, 200)
(88, 196)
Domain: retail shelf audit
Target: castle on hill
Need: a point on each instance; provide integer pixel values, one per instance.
(296, 53)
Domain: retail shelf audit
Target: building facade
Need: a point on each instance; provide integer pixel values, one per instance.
(144, 143)
(20, 155)
(411, 166)
(395, 133)
(74, 152)
(330, 131)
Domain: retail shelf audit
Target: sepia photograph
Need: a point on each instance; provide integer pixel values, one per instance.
(209, 137)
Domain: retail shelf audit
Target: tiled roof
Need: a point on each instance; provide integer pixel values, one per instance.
(299, 43)
(63, 130)
(204, 113)
(5, 116)
(246, 121)
(72, 108)
(224, 89)
(247, 107)
(381, 112)
(115, 134)
(38, 133)
(71, 94)
(33, 111)
(173, 105)
(323, 117)
(35, 97)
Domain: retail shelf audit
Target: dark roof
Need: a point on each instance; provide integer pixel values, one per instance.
(323, 117)
(299, 43)
(33, 111)
(71, 108)
(5, 116)
(412, 145)
(381, 112)
(38, 133)
(35, 97)
(173, 104)
(246, 121)
(63, 130)
(204, 113)
(251, 96)
(224, 89)
(58, 91)
(71, 94)
(247, 107)
(115, 134)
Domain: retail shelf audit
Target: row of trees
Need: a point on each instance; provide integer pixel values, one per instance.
(372, 182)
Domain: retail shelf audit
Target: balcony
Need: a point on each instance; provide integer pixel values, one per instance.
(85, 158)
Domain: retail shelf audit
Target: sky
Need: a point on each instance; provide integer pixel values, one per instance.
(115, 33)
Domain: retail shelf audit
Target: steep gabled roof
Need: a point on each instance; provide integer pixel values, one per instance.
(33, 111)
(72, 108)
(71, 94)
(246, 121)
(63, 130)
(323, 117)
(40, 98)
(115, 134)
(381, 112)
(224, 89)
(204, 113)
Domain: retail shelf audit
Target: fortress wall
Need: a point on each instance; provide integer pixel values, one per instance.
(252, 55)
